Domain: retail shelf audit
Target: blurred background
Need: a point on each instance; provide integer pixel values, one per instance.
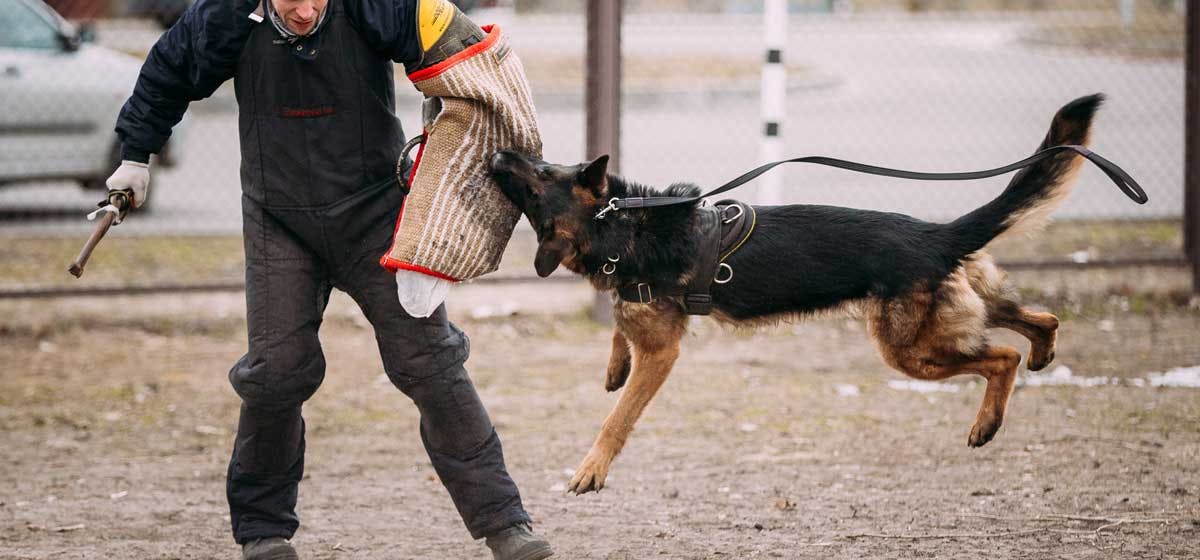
(116, 417)
(930, 85)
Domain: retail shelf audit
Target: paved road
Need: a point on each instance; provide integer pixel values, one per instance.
(929, 94)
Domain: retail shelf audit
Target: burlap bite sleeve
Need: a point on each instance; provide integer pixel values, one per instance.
(455, 222)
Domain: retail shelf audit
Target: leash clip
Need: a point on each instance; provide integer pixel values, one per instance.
(612, 206)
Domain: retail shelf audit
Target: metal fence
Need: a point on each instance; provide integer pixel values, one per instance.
(931, 85)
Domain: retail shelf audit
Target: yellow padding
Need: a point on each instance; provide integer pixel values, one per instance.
(433, 17)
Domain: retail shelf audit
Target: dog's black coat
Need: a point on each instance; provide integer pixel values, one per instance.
(800, 258)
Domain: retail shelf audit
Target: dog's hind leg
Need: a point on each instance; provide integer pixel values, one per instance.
(936, 337)
(1040, 328)
(997, 364)
(619, 362)
(654, 331)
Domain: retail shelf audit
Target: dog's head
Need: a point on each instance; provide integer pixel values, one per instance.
(557, 199)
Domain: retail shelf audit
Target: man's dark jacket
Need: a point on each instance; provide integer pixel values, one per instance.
(201, 51)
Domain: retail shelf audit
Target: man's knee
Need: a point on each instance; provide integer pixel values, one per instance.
(436, 359)
(278, 379)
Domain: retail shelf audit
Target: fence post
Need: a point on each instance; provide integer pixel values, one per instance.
(773, 98)
(1191, 150)
(603, 100)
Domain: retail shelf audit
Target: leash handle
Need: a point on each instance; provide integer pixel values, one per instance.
(1119, 176)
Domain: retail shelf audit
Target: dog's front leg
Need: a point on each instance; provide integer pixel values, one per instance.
(619, 362)
(655, 332)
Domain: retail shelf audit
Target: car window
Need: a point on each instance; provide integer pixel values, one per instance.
(23, 28)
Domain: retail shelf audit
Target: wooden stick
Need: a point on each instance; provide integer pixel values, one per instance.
(106, 221)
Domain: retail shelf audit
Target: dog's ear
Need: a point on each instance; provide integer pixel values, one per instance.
(595, 175)
(550, 253)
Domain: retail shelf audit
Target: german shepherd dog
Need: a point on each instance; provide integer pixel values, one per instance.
(928, 291)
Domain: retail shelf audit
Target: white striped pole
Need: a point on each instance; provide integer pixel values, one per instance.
(774, 97)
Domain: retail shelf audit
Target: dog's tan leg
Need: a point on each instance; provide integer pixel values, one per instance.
(618, 362)
(935, 336)
(654, 331)
(1040, 328)
(987, 280)
(997, 364)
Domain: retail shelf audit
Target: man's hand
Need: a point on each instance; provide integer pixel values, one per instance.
(134, 177)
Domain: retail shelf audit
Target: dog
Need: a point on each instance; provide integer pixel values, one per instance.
(928, 291)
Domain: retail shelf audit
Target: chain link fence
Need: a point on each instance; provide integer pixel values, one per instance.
(929, 85)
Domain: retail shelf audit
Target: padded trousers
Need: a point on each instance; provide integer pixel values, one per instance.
(294, 258)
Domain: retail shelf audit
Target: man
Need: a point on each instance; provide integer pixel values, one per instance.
(320, 141)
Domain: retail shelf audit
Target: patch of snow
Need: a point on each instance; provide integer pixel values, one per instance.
(1178, 377)
(1187, 377)
(1063, 376)
(922, 386)
(846, 390)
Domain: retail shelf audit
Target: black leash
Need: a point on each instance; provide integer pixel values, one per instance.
(1114, 172)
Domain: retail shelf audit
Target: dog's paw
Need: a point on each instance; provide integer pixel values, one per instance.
(1040, 355)
(982, 432)
(590, 475)
(1041, 352)
(1039, 360)
(618, 373)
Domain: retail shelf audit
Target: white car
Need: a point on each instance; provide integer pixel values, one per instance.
(59, 99)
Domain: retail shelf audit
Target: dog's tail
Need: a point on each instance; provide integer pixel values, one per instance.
(1035, 191)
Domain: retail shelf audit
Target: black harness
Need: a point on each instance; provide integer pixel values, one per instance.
(723, 229)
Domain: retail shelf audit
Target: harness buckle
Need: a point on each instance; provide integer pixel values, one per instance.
(612, 206)
(645, 294)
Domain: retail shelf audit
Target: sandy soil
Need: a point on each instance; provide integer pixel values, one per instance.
(116, 421)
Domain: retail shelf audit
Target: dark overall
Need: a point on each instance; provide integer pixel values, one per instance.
(319, 144)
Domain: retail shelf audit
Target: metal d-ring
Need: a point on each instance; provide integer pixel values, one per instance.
(726, 280)
(610, 267)
(735, 216)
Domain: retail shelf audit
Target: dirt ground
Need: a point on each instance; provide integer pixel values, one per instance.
(116, 421)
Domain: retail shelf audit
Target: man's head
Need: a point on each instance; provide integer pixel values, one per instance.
(300, 16)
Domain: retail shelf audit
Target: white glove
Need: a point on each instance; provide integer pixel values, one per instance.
(420, 294)
(132, 176)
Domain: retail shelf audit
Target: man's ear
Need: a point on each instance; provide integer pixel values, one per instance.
(595, 175)
(550, 254)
